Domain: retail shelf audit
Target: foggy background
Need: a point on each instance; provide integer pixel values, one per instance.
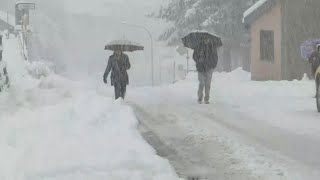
(72, 34)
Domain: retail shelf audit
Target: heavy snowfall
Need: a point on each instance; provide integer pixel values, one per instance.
(59, 121)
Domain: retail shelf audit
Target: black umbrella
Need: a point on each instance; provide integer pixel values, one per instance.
(194, 39)
(123, 45)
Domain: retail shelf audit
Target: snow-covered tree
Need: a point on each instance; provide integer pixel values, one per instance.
(223, 17)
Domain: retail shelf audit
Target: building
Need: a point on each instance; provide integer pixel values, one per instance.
(6, 21)
(277, 29)
(4, 25)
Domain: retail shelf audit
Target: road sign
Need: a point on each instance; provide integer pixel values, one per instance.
(22, 12)
(22, 6)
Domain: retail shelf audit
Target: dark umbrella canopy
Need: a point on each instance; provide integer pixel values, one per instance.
(123, 45)
(194, 39)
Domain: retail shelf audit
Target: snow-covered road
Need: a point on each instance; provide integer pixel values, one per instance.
(194, 151)
(227, 139)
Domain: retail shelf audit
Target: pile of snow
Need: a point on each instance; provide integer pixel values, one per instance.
(54, 128)
(238, 75)
(39, 69)
(288, 104)
(55, 132)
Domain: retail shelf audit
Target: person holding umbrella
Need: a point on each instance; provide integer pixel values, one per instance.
(314, 60)
(206, 58)
(310, 51)
(118, 65)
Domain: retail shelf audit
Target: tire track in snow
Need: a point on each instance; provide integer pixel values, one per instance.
(193, 154)
(302, 149)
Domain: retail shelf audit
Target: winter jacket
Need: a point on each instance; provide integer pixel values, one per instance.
(205, 57)
(118, 65)
(315, 62)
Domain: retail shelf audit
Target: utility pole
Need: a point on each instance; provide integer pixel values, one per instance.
(151, 43)
(188, 58)
(174, 70)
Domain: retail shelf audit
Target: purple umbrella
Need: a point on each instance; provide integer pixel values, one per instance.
(309, 47)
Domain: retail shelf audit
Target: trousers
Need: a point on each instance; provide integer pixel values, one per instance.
(204, 84)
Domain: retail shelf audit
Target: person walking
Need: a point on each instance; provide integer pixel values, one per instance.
(25, 22)
(118, 65)
(314, 60)
(206, 59)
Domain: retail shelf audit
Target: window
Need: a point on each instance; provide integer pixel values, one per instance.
(267, 46)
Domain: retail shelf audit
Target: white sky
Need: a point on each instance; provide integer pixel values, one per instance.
(114, 7)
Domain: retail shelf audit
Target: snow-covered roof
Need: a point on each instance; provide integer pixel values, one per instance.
(3, 16)
(254, 7)
(257, 10)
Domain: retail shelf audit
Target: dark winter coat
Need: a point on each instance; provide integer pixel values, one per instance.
(118, 65)
(315, 62)
(206, 57)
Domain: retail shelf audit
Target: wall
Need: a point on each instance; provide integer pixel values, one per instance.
(262, 70)
(4, 25)
(300, 22)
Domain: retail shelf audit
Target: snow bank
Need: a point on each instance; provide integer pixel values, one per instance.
(54, 128)
(285, 104)
(65, 134)
(38, 69)
(288, 105)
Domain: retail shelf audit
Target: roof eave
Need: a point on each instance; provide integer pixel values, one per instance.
(257, 13)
